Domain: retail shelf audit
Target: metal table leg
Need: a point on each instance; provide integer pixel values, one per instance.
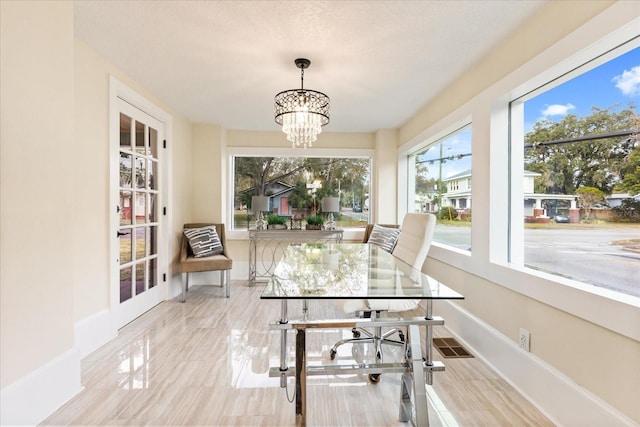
(301, 378)
(283, 344)
(428, 351)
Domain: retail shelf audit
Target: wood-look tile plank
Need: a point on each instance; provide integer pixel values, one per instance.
(206, 362)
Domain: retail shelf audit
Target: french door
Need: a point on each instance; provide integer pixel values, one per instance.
(136, 284)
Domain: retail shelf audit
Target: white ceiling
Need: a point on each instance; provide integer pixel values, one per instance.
(223, 61)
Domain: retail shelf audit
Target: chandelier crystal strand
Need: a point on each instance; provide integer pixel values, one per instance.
(301, 112)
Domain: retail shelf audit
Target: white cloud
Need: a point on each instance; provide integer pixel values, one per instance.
(557, 110)
(629, 81)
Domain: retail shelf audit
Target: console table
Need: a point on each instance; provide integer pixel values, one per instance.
(267, 246)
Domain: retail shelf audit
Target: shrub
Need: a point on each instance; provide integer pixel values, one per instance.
(276, 219)
(447, 212)
(315, 220)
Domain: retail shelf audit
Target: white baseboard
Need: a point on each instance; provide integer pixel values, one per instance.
(240, 270)
(93, 332)
(37, 395)
(557, 396)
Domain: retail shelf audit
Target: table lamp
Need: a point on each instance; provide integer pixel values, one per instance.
(330, 205)
(260, 204)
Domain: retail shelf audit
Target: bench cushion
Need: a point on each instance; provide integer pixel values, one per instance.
(204, 241)
(211, 263)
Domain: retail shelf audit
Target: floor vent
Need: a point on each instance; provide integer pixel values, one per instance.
(450, 348)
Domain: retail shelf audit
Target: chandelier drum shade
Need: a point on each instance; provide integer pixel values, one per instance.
(301, 112)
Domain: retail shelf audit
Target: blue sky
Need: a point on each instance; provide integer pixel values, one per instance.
(614, 83)
(457, 144)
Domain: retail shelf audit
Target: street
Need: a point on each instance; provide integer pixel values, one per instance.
(584, 254)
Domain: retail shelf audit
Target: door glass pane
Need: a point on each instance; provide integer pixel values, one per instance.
(140, 146)
(140, 243)
(125, 170)
(153, 142)
(151, 213)
(153, 269)
(125, 240)
(125, 207)
(125, 131)
(140, 277)
(125, 284)
(141, 207)
(141, 172)
(152, 242)
(153, 174)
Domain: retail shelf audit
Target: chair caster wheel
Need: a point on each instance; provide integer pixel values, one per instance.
(356, 334)
(332, 354)
(374, 378)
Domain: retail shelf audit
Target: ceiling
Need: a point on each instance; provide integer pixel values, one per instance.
(222, 62)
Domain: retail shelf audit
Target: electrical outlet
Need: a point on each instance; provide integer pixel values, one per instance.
(523, 339)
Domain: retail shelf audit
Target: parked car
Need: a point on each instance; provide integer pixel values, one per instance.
(561, 218)
(357, 208)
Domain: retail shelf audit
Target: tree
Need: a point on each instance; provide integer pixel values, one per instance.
(631, 166)
(258, 173)
(589, 196)
(300, 197)
(599, 163)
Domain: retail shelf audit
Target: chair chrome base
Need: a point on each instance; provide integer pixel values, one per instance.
(376, 337)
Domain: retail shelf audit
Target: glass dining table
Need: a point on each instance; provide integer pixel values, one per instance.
(337, 271)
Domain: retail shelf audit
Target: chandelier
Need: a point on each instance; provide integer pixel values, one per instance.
(301, 112)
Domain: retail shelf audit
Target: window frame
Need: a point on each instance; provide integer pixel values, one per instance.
(232, 152)
(568, 70)
(440, 137)
(491, 230)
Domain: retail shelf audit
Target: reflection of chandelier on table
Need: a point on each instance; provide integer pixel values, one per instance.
(301, 112)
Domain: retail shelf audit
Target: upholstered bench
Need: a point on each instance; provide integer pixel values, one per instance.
(204, 249)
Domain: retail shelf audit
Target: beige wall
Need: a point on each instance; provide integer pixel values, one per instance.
(207, 173)
(54, 194)
(275, 138)
(604, 362)
(54, 260)
(36, 186)
(385, 178)
(548, 26)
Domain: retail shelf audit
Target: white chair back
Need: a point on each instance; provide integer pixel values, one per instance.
(415, 237)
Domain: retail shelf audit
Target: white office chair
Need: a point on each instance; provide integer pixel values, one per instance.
(412, 247)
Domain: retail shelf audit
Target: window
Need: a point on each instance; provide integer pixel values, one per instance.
(440, 183)
(295, 187)
(581, 174)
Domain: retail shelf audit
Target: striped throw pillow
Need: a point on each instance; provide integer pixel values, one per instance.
(384, 237)
(204, 241)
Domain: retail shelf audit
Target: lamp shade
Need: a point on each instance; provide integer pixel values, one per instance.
(259, 204)
(330, 204)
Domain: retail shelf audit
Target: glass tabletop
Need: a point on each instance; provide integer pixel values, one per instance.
(349, 270)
